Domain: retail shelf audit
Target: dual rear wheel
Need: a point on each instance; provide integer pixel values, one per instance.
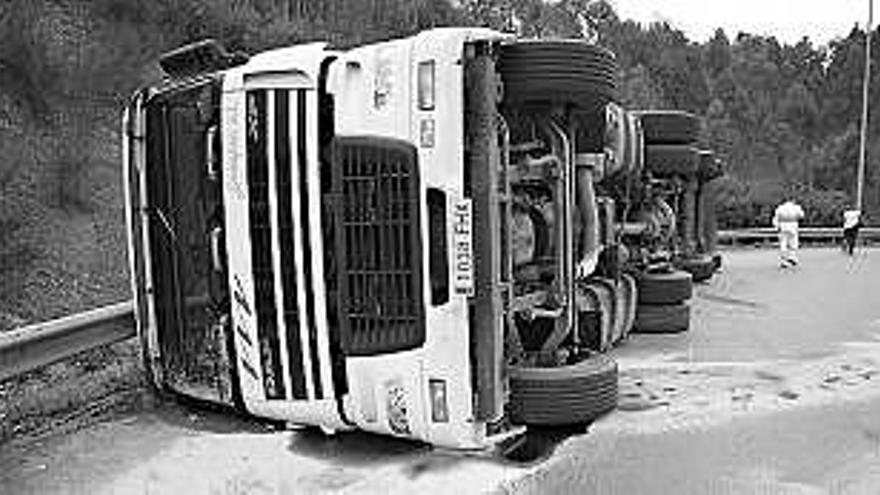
(540, 76)
(663, 302)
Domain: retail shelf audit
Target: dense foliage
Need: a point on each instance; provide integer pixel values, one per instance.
(783, 117)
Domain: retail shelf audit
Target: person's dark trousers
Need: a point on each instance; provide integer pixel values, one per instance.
(849, 237)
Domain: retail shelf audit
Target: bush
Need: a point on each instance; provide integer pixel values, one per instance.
(744, 205)
(822, 207)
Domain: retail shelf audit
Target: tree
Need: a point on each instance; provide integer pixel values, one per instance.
(639, 91)
(717, 53)
(800, 109)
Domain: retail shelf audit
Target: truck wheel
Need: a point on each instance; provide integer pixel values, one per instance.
(670, 127)
(558, 72)
(672, 159)
(565, 395)
(701, 267)
(671, 287)
(662, 318)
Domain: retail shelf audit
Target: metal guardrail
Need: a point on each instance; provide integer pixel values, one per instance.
(768, 234)
(36, 345)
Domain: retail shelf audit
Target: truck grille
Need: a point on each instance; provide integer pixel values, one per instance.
(270, 164)
(376, 220)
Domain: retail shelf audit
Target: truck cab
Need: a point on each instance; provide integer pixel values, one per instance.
(406, 237)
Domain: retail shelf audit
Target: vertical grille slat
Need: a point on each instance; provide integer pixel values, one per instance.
(284, 194)
(305, 225)
(381, 302)
(261, 241)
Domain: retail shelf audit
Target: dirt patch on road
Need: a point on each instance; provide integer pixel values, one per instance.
(672, 395)
(68, 395)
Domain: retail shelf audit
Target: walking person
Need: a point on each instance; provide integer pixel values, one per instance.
(852, 222)
(785, 220)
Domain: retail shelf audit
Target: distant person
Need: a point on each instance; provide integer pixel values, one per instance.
(785, 220)
(852, 222)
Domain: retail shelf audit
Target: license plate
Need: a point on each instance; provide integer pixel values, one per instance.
(462, 241)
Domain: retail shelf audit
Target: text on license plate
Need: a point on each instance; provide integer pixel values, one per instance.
(463, 250)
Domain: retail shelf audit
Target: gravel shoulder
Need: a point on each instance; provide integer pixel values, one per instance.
(71, 394)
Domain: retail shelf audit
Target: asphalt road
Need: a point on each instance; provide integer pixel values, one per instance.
(756, 311)
(776, 389)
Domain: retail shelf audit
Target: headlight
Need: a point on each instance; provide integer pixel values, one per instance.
(426, 85)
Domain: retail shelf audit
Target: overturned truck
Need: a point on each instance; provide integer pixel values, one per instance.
(422, 237)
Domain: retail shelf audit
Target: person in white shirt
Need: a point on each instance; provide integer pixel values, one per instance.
(852, 221)
(785, 220)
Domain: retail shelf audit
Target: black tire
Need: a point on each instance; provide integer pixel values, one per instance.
(542, 73)
(670, 127)
(665, 160)
(701, 267)
(671, 287)
(666, 318)
(565, 395)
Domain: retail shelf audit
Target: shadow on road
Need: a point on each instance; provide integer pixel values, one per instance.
(536, 445)
(359, 449)
(354, 448)
(198, 416)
